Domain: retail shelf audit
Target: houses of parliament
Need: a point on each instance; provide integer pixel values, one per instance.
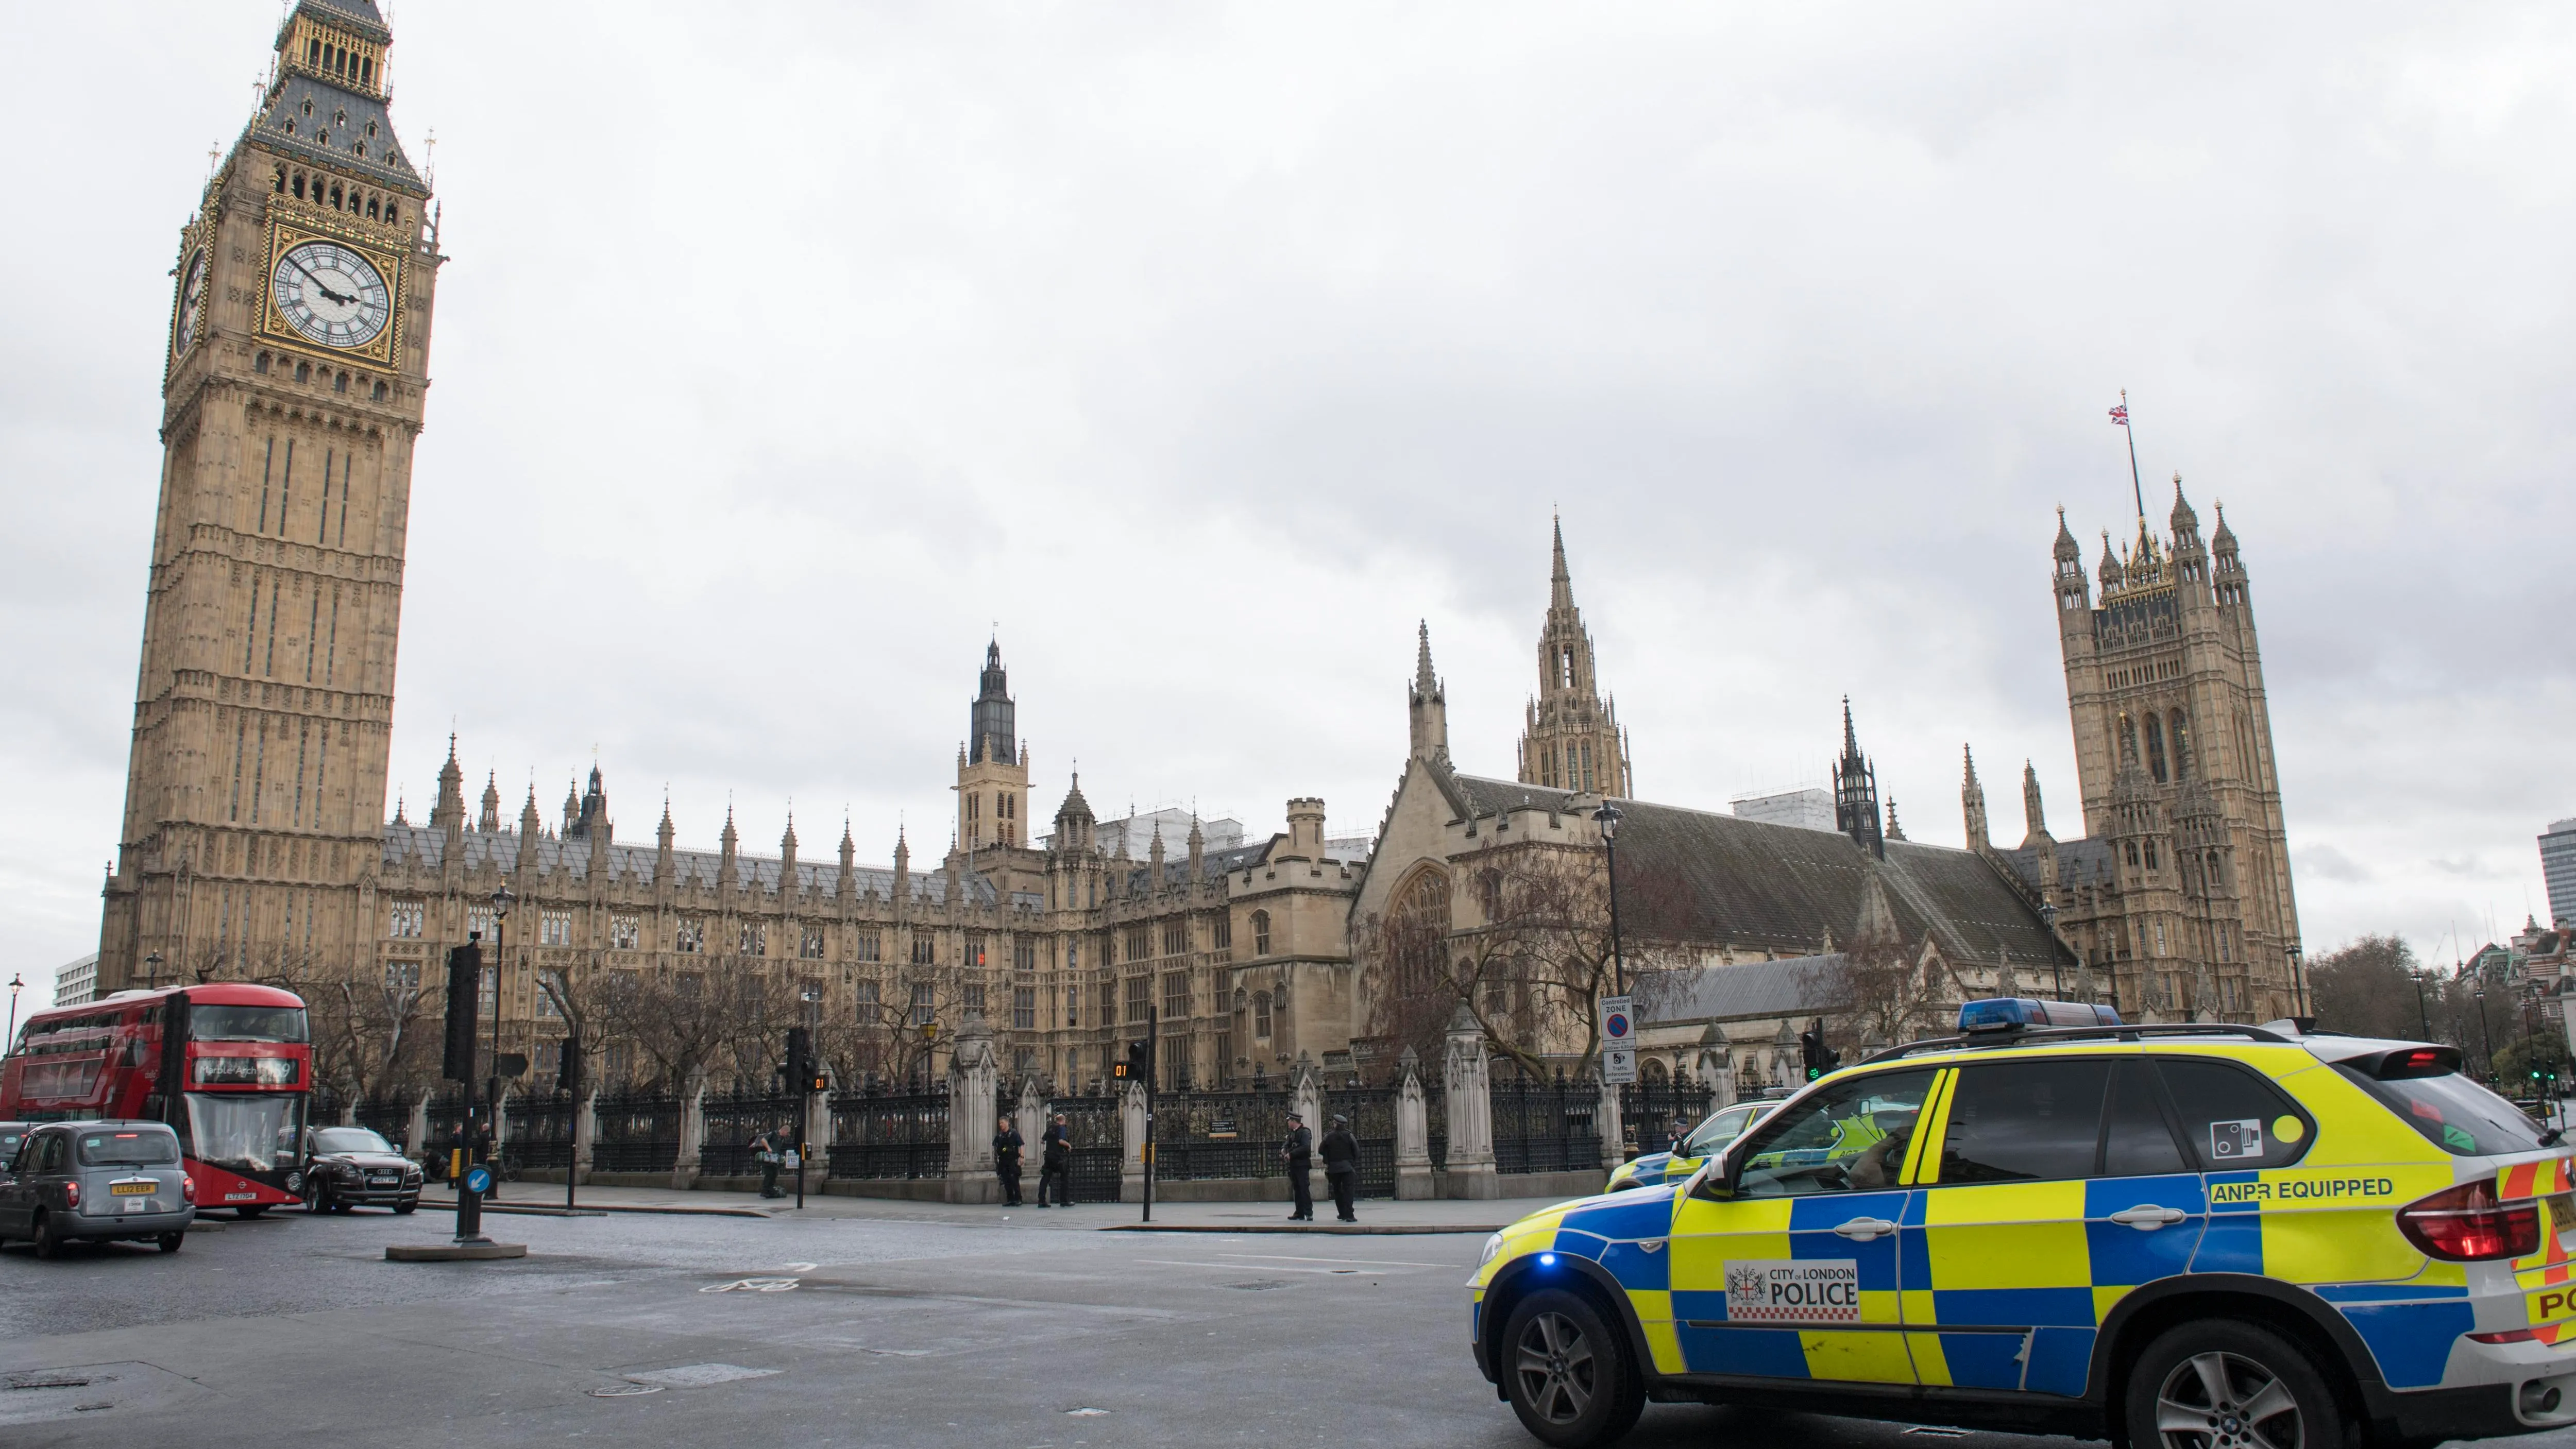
(256, 841)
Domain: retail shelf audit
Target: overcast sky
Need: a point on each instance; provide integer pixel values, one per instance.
(786, 352)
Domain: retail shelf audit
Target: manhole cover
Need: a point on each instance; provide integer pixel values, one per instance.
(621, 1391)
(1262, 1287)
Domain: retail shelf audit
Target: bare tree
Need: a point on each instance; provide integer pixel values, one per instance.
(2368, 987)
(1533, 960)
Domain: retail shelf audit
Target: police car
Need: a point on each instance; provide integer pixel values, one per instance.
(1721, 1127)
(2173, 1237)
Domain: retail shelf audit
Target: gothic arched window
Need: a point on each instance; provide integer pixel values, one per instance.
(2156, 748)
(1260, 933)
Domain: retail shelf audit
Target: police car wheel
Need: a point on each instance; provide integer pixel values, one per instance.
(2221, 1385)
(1567, 1372)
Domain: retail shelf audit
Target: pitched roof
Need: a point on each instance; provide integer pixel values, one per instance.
(1746, 991)
(1694, 875)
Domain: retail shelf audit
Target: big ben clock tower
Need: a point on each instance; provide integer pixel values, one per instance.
(297, 363)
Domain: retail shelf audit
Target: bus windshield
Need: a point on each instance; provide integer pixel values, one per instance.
(247, 1134)
(246, 1023)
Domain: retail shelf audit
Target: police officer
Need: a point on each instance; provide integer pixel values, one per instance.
(1342, 1166)
(1055, 1166)
(1006, 1160)
(769, 1147)
(1299, 1153)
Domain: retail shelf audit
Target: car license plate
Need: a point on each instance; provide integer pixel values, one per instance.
(382, 1181)
(137, 1205)
(131, 1189)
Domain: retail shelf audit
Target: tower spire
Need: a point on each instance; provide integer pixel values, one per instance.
(1560, 584)
(1571, 739)
(1856, 793)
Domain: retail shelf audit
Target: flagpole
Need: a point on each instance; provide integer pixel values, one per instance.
(2136, 488)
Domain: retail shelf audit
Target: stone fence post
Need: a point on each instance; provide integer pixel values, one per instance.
(1608, 1121)
(1716, 1071)
(1412, 1132)
(1030, 1118)
(501, 1118)
(416, 1131)
(585, 1133)
(1307, 1097)
(1131, 1162)
(971, 1112)
(693, 1131)
(1468, 1081)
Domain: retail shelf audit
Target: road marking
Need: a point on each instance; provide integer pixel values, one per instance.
(752, 1285)
(1238, 1267)
(1363, 1262)
(698, 1375)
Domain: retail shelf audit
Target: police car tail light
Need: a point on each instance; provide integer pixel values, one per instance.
(2017, 1013)
(2468, 1224)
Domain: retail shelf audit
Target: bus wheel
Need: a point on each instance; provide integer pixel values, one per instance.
(250, 1210)
(49, 1239)
(170, 1241)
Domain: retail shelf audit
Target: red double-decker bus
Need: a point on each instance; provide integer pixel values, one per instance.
(227, 1064)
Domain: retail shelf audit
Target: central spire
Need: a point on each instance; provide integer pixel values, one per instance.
(1572, 740)
(994, 729)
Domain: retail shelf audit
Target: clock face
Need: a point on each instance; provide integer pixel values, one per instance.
(192, 291)
(330, 294)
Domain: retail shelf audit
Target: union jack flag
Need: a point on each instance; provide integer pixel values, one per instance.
(2120, 415)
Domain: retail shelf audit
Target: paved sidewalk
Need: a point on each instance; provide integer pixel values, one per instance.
(1376, 1216)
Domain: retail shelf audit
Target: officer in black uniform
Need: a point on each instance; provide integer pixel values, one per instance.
(1342, 1166)
(1299, 1153)
(1055, 1167)
(1006, 1160)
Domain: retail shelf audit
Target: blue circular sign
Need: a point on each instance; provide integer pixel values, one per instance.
(478, 1178)
(1616, 1028)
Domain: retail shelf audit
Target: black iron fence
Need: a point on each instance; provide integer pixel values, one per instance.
(1546, 1126)
(390, 1118)
(890, 1134)
(1648, 1112)
(446, 1110)
(637, 1132)
(1200, 1135)
(1097, 1156)
(733, 1119)
(540, 1130)
(1371, 1111)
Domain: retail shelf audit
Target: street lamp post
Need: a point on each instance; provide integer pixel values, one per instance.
(2485, 1032)
(2298, 981)
(152, 969)
(1608, 818)
(2421, 1010)
(502, 900)
(812, 995)
(16, 985)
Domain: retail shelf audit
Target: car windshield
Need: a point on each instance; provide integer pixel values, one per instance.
(245, 1133)
(1718, 1131)
(246, 1023)
(143, 1147)
(349, 1139)
(2455, 1114)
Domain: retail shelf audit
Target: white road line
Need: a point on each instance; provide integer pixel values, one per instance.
(1239, 1267)
(1368, 1262)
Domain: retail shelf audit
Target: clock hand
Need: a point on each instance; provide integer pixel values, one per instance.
(318, 284)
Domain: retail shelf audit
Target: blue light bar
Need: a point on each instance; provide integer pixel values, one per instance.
(2019, 1013)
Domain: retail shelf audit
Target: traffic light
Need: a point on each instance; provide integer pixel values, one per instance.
(568, 1064)
(800, 1059)
(1819, 1057)
(1138, 1065)
(464, 986)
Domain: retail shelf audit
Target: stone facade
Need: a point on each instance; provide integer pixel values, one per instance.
(1057, 950)
(2179, 893)
(298, 365)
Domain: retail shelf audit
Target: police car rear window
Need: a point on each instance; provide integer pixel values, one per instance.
(2454, 1113)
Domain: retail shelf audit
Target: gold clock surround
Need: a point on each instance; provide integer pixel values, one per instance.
(285, 235)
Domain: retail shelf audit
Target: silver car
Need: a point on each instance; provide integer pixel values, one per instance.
(97, 1181)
